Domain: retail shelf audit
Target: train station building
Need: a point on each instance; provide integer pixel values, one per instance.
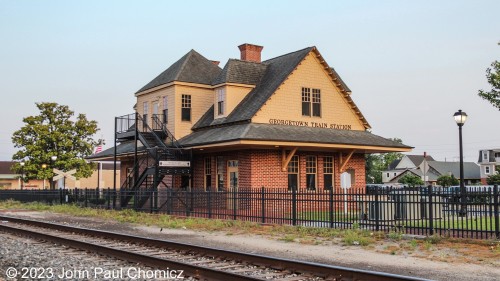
(286, 122)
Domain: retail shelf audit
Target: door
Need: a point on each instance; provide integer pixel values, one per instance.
(232, 179)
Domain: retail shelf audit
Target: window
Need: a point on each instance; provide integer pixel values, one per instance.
(306, 101)
(165, 110)
(293, 173)
(186, 108)
(185, 182)
(316, 103)
(387, 175)
(311, 106)
(220, 173)
(487, 170)
(394, 174)
(311, 172)
(497, 154)
(328, 172)
(145, 112)
(485, 155)
(221, 98)
(208, 173)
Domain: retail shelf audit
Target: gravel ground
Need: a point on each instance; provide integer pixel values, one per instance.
(349, 256)
(28, 259)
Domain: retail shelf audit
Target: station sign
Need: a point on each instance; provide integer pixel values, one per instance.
(175, 164)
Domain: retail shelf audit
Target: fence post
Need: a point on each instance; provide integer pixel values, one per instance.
(169, 200)
(330, 202)
(76, 195)
(86, 197)
(60, 196)
(151, 201)
(209, 203)
(263, 204)
(114, 197)
(431, 213)
(108, 198)
(294, 206)
(186, 202)
(495, 210)
(377, 210)
(234, 203)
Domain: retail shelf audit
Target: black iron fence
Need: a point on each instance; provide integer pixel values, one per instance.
(419, 211)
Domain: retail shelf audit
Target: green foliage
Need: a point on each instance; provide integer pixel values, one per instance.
(54, 133)
(493, 77)
(493, 179)
(446, 180)
(411, 180)
(376, 163)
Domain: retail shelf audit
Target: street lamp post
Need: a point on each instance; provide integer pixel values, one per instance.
(53, 159)
(460, 118)
(44, 166)
(22, 174)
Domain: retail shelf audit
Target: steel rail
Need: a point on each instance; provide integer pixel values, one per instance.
(198, 272)
(272, 262)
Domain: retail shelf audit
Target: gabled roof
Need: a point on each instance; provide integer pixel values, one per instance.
(272, 74)
(277, 70)
(192, 68)
(241, 72)
(418, 159)
(471, 169)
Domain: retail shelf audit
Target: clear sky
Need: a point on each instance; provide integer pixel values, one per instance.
(410, 64)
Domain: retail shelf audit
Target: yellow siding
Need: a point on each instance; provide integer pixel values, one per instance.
(201, 101)
(234, 95)
(286, 102)
(157, 96)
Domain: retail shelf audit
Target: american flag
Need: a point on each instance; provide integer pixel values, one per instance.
(98, 149)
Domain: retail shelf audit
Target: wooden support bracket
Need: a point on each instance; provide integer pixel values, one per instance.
(285, 159)
(343, 162)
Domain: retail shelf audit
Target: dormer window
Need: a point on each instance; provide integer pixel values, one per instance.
(485, 155)
(221, 100)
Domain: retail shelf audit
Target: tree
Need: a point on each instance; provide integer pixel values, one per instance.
(411, 180)
(493, 77)
(446, 180)
(493, 179)
(54, 133)
(376, 163)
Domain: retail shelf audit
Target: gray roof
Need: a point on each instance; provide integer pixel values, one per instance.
(471, 169)
(192, 67)
(418, 159)
(241, 72)
(277, 70)
(263, 132)
(340, 80)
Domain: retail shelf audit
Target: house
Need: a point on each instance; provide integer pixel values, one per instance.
(399, 166)
(489, 159)
(286, 122)
(430, 170)
(11, 180)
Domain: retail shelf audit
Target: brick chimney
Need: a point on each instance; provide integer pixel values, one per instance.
(250, 52)
(216, 62)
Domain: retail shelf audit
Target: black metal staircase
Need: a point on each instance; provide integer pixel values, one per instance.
(153, 146)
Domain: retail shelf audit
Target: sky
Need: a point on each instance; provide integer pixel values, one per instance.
(410, 64)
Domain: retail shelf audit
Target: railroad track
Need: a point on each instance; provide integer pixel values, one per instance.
(199, 262)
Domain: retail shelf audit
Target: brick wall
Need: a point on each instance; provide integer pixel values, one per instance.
(258, 168)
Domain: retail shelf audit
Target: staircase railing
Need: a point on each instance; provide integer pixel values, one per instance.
(158, 125)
